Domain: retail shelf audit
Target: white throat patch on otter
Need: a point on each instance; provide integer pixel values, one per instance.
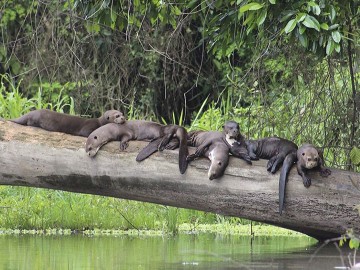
(230, 140)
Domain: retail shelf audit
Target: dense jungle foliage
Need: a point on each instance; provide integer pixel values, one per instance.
(286, 68)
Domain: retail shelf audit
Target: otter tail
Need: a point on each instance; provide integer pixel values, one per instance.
(181, 134)
(150, 149)
(22, 120)
(287, 165)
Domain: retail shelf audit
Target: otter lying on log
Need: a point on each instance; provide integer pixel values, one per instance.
(138, 130)
(70, 124)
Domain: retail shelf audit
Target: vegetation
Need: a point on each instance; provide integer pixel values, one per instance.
(286, 68)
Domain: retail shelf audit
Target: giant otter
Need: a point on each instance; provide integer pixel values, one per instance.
(138, 130)
(278, 151)
(310, 158)
(216, 146)
(210, 144)
(71, 124)
(231, 135)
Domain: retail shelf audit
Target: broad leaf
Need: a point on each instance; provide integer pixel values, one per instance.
(337, 47)
(324, 26)
(300, 17)
(287, 15)
(355, 156)
(334, 26)
(290, 26)
(336, 36)
(262, 17)
(272, 2)
(251, 6)
(303, 40)
(311, 22)
(330, 46)
(332, 14)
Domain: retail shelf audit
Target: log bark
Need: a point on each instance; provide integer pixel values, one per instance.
(37, 158)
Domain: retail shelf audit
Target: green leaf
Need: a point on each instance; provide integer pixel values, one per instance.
(176, 10)
(337, 47)
(324, 26)
(290, 26)
(302, 29)
(330, 46)
(304, 40)
(312, 4)
(311, 22)
(251, 6)
(336, 36)
(316, 10)
(334, 26)
(354, 244)
(262, 17)
(249, 19)
(300, 17)
(287, 15)
(332, 14)
(272, 2)
(355, 156)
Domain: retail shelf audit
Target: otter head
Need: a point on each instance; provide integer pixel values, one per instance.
(219, 161)
(114, 116)
(93, 144)
(310, 157)
(232, 131)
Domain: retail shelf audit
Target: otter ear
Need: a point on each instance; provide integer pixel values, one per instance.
(95, 137)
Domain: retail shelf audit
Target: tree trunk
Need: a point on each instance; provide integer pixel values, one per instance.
(37, 158)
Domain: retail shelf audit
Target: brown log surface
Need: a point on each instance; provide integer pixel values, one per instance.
(37, 158)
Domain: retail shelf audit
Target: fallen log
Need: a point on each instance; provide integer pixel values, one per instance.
(37, 158)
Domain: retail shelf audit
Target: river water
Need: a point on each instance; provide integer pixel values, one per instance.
(185, 251)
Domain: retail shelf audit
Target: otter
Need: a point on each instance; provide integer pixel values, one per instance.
(310, 158)
(138, 130)
(70, 124)
(210, 144)
(278, 151)
(231, 135)
(217, 145)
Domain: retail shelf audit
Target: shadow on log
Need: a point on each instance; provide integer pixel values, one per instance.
(37, 158)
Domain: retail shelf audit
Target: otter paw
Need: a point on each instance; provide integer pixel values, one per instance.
(325, 172)
(253, 157)
(248, 161)
(306, 182)
(274, 169)
(190, 157)
(123, 145)
(269, 166)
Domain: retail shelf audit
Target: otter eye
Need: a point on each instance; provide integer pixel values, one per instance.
(117, 116)
(309, 159)
(90, 148)
(219, 163)
(316, 159)
(108, 118)
(303, 154)
(95, 137)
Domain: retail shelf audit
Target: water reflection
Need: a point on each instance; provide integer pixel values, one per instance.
(204, 251)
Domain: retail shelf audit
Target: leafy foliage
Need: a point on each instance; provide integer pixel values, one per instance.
(355, 156)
